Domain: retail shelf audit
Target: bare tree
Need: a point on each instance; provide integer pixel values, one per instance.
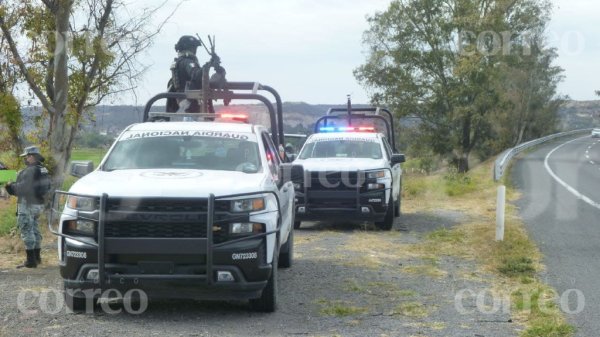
(10, 116)
(78, 52)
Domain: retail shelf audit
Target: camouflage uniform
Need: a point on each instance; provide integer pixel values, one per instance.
(27, 221)
(30, 204)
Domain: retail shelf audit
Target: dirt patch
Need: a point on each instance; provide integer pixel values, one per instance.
(423, 222)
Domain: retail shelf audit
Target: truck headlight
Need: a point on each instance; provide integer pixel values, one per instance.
(248, 205)
(83, 227)
(82, 203)
(377, 174)
(246, 228)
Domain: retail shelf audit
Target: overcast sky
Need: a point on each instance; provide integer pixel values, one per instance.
(307, 49)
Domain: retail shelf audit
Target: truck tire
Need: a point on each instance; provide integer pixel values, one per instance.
(74, 303)
(297, 224)
(388, 221)
(286, 255)
(267, 302)
(399, 202)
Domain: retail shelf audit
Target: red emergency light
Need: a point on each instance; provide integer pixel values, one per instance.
(238, 117)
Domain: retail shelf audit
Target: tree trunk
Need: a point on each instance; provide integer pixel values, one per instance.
(463, 163)
(521, 133)
(463, 159)
(59, 129)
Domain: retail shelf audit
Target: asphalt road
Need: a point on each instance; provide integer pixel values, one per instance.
(560, 204)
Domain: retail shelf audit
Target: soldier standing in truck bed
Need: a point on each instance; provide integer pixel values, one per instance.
(186, 73)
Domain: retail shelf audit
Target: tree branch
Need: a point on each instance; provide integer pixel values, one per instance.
(21, 64)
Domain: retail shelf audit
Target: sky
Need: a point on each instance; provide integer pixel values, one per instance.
(575, 32)
(308, 49)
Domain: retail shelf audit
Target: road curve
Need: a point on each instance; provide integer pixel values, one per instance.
(560, 204)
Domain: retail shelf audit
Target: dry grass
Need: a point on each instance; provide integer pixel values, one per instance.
(431, 271)
(514, 262)
(432, 326)
(339, 308)
(412, 309)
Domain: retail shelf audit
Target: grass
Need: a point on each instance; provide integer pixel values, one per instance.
(539, 303)
(515, 261)
(519, 266)
(8, 220)
(411, 309)
(426, 270)
(458, 184)
(339, 308)
(95, 155)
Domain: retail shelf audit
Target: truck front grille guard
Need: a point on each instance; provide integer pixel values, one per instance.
(57, 201)
(358, 186)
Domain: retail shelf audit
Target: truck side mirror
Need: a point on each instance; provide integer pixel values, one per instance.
(81, 168)
(398, 159)
(292, 172)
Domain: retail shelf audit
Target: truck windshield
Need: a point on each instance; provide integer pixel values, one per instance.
(341, 149)
(185, 152)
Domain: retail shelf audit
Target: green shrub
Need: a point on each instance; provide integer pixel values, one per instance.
(457, 184)
(425, 165)
(413, 186)
(517, 266)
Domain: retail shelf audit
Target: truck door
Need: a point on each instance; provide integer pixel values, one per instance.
(285, 189)
(396, 170)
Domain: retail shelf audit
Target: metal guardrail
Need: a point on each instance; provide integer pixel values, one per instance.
(505, 157)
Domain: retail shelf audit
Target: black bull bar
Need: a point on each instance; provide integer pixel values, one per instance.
(206, 244)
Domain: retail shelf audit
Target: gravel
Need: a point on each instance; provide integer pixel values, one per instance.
(345, 281)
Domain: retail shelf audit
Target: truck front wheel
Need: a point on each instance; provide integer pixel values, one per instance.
(77, 304)
(267, 302)
(286, 256)
(388, 221)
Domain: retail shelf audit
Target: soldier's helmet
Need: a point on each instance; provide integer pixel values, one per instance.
(187, 42)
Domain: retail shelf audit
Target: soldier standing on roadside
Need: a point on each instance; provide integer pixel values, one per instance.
(30, 204)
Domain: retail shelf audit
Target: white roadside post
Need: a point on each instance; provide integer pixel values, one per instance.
(500, 213)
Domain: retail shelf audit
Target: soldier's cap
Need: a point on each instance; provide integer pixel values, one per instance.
(33, 150)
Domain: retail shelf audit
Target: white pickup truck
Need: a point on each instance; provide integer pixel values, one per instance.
(352, 173)
(190, 209)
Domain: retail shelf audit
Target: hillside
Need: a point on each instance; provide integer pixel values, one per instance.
(299, 117)
(580, 114)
